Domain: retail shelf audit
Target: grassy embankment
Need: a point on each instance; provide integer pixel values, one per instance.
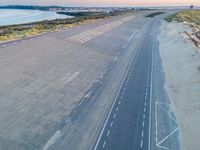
(16, 32)
(192, 18)
(155, 14)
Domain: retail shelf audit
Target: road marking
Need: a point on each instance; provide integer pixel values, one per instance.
(95, 32)
(141, 143)
(151, 88)
(144, 109)
(145, 104)
(117, 109)
(108, 133)
(121, 97)
(119, 102)
(144, 116)
(114, 116)
(143, 124)
(104, 143)
(142, 133)
(124, 88)
(125, 76)
(111, 124)
(52, 140)
(145, 97)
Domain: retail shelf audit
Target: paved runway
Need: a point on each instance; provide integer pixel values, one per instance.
(83, 88)
(127, 125)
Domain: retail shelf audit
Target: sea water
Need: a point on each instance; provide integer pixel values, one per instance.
(14, 16)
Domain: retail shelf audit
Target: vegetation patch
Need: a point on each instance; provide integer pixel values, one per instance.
(16, 32)
(187, 16)
(155, 14)
(192, 18)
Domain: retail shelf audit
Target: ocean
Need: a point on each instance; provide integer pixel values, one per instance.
(12, 16)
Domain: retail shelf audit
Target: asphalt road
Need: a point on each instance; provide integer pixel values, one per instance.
(128, 123)
(85, 93)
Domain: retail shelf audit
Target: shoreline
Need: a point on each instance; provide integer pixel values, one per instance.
(13, 33)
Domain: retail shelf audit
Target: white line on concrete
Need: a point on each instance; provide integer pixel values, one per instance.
(105, 123)
(142, 133)
(111, 124)
(114, 116)
(124, 88)
(104, 143)
(144, 116)
(108, 133)
(151, 89)
(141, 143)
(52, 140)
(117, 109)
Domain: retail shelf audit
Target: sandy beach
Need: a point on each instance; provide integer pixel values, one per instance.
(182, 69)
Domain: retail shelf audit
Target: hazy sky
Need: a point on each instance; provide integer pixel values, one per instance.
(101, 2)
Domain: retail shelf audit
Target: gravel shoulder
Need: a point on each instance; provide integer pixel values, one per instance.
(181, 64)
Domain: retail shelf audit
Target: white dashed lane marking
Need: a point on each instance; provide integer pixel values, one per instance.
(111, 124)
(104, 143)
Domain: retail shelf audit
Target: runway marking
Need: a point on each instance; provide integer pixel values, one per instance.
(124, 88)
(144, 109)
(113, 104)
(145, 97)
(117, 109)
(104, 143)
(145, 103)
(108, 133)
(158, 144)
(114, 116)
(93, 33)
(142, 133)
(141, 143)
(111, 124)
(143, 124)
(52, 140)
(143, 116)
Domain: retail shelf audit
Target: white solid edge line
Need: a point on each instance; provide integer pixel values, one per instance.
(132, 61)
(151, 88)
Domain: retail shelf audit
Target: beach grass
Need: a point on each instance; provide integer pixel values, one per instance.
(187, 16)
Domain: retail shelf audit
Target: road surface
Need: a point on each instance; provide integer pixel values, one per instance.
(128, 123)
(88, 87)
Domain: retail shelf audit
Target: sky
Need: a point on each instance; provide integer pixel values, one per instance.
(102, 2)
